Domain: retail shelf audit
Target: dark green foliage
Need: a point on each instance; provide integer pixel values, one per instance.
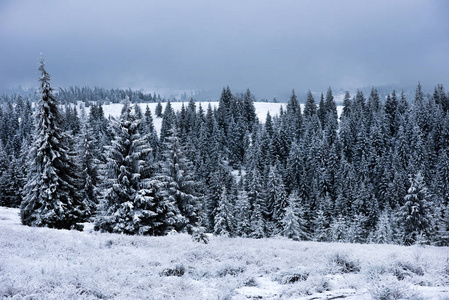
(310, 107)
(158, 110)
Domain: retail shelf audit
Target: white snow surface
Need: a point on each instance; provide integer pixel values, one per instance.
(262, 108)
(43, 263)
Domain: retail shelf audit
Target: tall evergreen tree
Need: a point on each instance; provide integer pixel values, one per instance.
(180, 183)
(224, 217)
(415, 214)
(51, 198)
(89, 167)
(132, 202)
(293, 223)
(310, 107)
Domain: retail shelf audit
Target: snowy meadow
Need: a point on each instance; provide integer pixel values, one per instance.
(43, 263)
(261, 109)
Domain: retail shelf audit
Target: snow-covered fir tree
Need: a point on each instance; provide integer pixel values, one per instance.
(180, 183)
(293, 223)
(224, 223)
(383, 233)
(132, 202)
(51, 196)
(88, 163)
(415, 214)
(242, 214)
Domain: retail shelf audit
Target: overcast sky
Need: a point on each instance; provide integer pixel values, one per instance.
(270, 47)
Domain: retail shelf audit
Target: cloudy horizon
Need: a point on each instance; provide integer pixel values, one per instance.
(269, 47)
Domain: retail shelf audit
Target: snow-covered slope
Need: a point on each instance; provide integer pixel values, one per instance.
(262, 108)
(42, 263)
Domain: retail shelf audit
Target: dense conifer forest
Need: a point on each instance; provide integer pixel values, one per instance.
(377, 173)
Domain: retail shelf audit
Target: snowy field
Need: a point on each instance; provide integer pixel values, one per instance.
(42, 263)
(262, 108)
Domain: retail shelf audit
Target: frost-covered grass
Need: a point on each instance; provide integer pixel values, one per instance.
(42, 263)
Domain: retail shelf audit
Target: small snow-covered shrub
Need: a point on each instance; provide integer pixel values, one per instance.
(406, 269)
(341, 263)
(292, 276)
(322, 285)
(374, 271)
(7, 289)
(390, 289)
(250, 281)
(177, 270)
(199, 235)
(109, 243)
(230, 270)
(446, 267)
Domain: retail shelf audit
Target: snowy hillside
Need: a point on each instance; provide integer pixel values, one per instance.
(262, 108)
(42, 263)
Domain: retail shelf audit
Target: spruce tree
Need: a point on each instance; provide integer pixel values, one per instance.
(242, 214)
(51, 198)
(249, 111)
(158, 110)
(383, 233)
(180, 182)
(257, 222)
(310, 108)
(293, 223)
(276, 196)
(415, 214)
(89, 168)
(224, 217)
(149, 132)
(132, 201)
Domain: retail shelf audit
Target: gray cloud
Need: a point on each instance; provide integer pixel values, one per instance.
(270, 47)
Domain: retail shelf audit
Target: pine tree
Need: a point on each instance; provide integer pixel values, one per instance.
(276, 196)
(149, 132)
(89, 167)
(294, 117)
(390, 108)
(158, 110)
(322, 111)
(132, 202)
(269, 125)
(249, 111)
(310, 107)
(51, 198)
(168, 124)
(293, 223)
(224, 217)
(347, 106)
(320, 227)
(383, 233)
(257, 222)
(12, 182)
(242, 214)
(338, 229)
(329, 104)
(180, 183)
(356, 232)
(219, 177)
(415, 214)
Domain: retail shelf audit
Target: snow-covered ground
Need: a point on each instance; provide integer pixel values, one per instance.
(261, 109)
(42, 263)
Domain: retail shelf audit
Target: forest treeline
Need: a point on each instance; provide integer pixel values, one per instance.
(378, 173)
